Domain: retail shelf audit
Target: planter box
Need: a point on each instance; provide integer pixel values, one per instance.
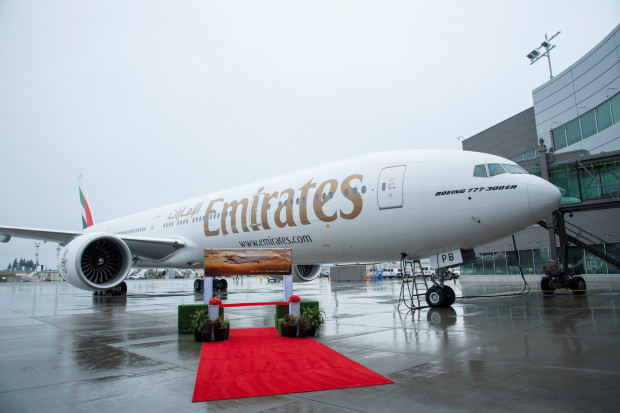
(185, 312)
(282, 310)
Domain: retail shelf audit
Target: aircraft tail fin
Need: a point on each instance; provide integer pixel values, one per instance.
(87, 217)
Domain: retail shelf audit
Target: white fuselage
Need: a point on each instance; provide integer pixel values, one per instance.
(365, 209)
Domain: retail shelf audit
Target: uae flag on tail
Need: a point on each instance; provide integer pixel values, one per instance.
(87, 218)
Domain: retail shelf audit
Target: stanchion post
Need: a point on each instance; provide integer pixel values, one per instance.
(214, 311)
(288, 286)
(295, 308)
(207, 287)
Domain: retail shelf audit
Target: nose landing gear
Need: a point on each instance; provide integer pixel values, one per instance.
(440, 296)
(434, 299)
(415, 283)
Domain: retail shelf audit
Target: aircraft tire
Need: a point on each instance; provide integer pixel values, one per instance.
(450, 295)
(578, 285)
(197, 285)
(224, 284)
(545, 287)
(435, 297)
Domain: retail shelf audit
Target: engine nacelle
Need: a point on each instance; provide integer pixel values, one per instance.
(306, 272)
(95, 261)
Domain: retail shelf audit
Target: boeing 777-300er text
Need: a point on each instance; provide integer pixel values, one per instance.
(371, 208)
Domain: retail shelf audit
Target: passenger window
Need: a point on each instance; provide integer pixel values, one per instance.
(496, 169)
(480, 170)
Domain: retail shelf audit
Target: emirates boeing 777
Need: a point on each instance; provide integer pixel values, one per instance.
(371, 208)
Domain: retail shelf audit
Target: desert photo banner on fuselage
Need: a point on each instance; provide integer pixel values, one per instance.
(223, 262)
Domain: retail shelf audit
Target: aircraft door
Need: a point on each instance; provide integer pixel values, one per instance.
(155, 225)
(390, 193)
(256, 211)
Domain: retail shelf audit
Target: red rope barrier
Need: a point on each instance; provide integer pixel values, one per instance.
(251, 304)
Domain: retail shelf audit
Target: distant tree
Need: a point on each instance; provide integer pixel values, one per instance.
(21, 263)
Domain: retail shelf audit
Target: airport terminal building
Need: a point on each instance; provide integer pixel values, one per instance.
(571, 136)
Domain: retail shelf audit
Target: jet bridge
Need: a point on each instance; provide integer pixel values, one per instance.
(588, 183)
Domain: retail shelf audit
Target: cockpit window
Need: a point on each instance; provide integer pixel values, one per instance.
(496, 169)
(514, 169)
(480, 170)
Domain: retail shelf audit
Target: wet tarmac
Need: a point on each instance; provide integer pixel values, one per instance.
(63, 350)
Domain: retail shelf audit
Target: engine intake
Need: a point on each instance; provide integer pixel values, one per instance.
(306, 272)
(95, 261)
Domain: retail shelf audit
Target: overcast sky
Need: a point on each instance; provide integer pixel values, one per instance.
(158, 101)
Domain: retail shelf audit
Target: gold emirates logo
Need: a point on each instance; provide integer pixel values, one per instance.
(283, 214)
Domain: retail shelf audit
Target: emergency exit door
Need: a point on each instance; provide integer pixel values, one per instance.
(390, 193)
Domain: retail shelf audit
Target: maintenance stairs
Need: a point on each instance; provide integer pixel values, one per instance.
(584, 239)
(413, 285)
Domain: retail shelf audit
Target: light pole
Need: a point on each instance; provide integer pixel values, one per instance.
(536, 54)
(36, 254)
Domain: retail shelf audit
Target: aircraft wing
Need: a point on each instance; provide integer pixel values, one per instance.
(61, 237)
(151, 248)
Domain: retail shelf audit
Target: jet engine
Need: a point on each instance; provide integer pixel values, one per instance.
(306, 272)
(95, 261)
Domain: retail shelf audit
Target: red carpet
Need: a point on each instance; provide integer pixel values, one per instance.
(258, 362)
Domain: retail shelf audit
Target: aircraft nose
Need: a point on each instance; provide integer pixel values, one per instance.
(544, 197)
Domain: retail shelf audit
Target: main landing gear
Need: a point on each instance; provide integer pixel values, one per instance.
(218, 285)
(120, 289)
(555, 279)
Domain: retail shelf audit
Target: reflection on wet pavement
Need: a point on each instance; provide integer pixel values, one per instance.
(65, 350)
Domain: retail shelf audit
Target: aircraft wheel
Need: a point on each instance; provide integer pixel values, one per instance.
(578, 285)
(123, 288)
(450, 295)
(545, 285)
(435, 297)
(198, 285)
(223, 284)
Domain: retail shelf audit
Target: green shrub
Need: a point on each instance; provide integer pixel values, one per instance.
(186, 311)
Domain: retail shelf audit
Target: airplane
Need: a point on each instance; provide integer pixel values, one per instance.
(371, 208)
